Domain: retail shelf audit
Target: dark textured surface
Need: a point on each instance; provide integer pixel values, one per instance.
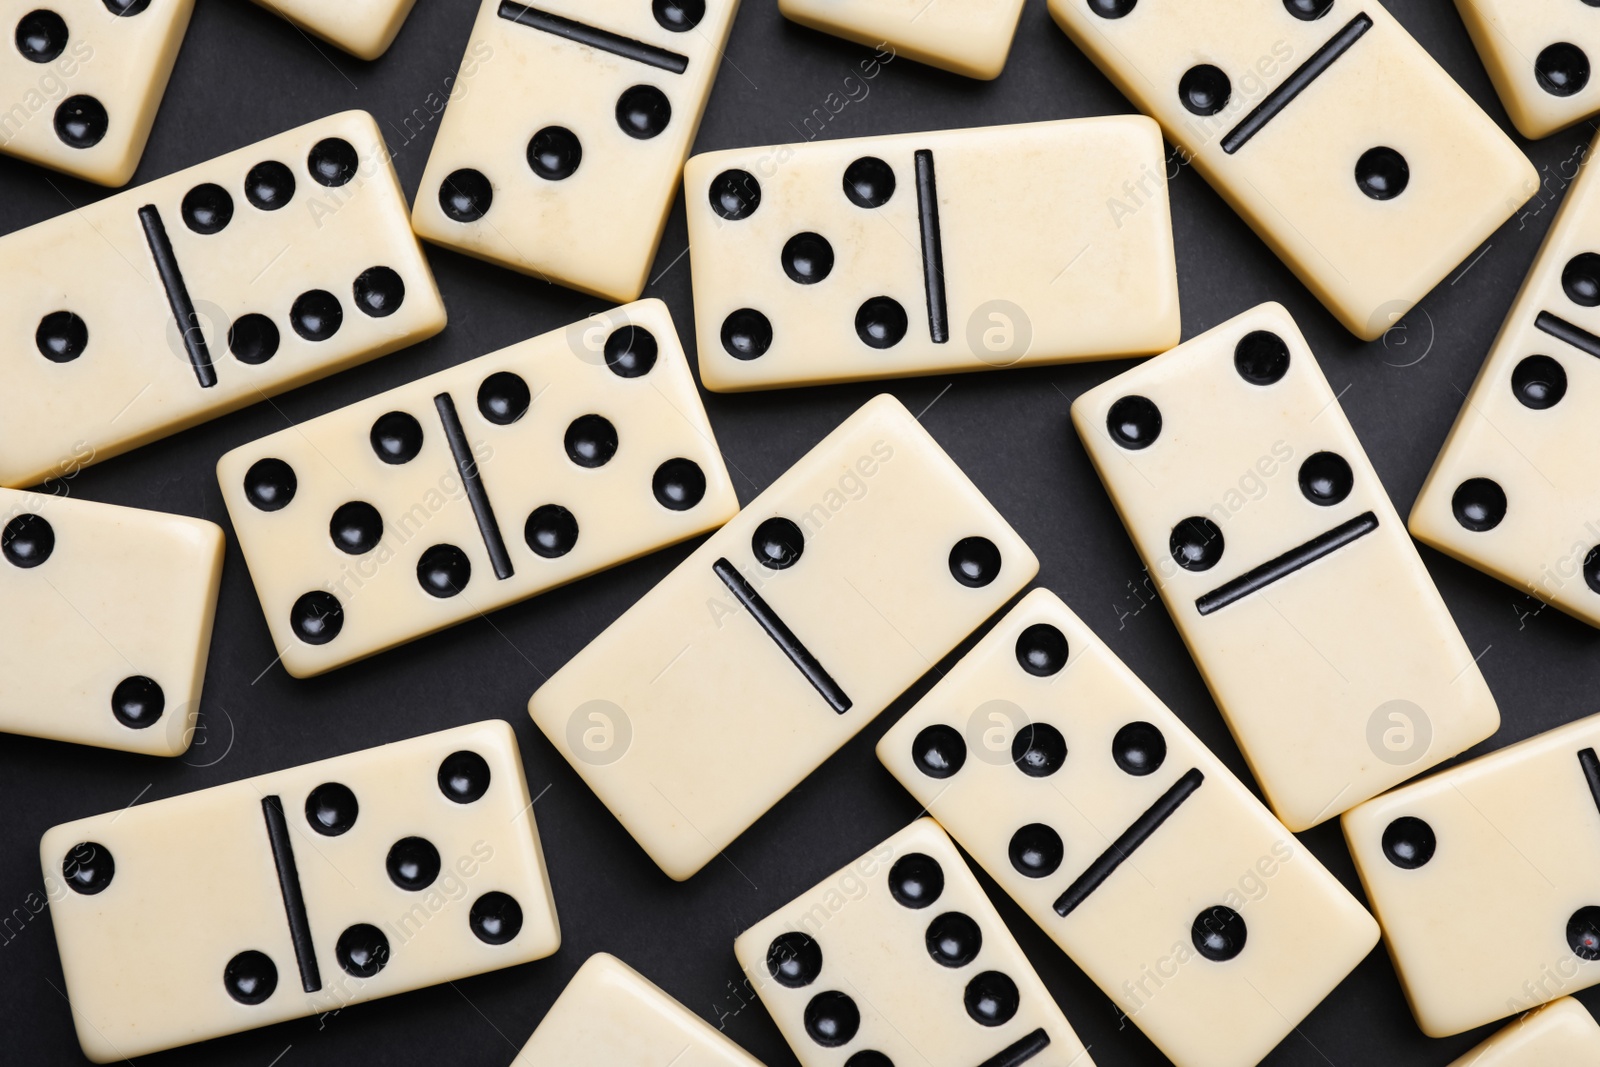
(244, 75)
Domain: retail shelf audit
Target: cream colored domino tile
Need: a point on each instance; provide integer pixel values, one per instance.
(565, 136)
(107, 621)
(971, 37)
(1497, 844)
(364, 28)
(293, 254)
(845, 581)
(1285, 566)
(298, 892)
(588, 447)
(1562, 1032)
(79, 91)
(1341, 142)
(1511, 492)
(610, 1015)
(1126, 840)
(1540, 55)
(901, 954)
(1050, 242)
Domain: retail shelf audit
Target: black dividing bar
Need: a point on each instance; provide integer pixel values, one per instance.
(1124, 846)
(605, 40)
(932, 248)
(781, 635)
(476, 494)
(1591, 772)
(1562, 330)
(294, 904)
(1253, 581)
(1295, 84)
(194, 342)
(1020, 1051)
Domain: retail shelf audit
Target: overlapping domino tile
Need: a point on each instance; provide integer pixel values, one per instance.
(1540, 55)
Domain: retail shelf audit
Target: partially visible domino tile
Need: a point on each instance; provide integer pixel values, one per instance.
(80, 86)
(1484, 879)
(901, 959)
(298, 892)
(1126, 840)
(1513, 491)
(1285, 566)
(612, 1016)
(1336, 136)
(364, 28)
(924, 253)
(970, 37)
(476, 487)
(818, 604)
(107, 621)
(566, 134)
(1541, 56)
(1560, 1034)
(285, 261)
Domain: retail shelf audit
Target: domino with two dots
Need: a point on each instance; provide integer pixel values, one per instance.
(298, 892)
(1341, 142)
(1126, 840)
(565, 137)
(107, 621)
(364, 28)
(1285, 567)
(960, 250)
(1561, 1032)
(833, 591)
(1540, 55)
(476, 487)
(201, 292)
(900, 958)
(970, 37)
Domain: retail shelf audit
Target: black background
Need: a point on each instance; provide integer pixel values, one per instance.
(244, 75)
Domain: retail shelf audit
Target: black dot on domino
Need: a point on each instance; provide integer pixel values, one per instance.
(807, 258)
(1196, 543)
(832, 1019)
(1218, 933)
(1409, 842)
(991, 999)
(496, 918)
(465, 195)
(503, 398)
(746, 334)
(362, 950)
(316, 315)
(124, 8)
(269, 185)
(778, 543)
(27, 541)
(794, 959)
(464, 776)
(356, 528)
(1036, 850)
(253, 339)
(1562, 69)
(881, 322)
(1261, 357)
(270, 484)
(1307, 10)
(975, 561)
(678, 484)
(81, 121)
(643, 111)
(735, 194)
(317, 617)
(554, 153)
(1138, 749)
(1538, 382)
(869, 182)
(1382, 173)
(1112, 9)
(1326, 478)
(396, 437)
(333, 162)
(953, 939)
(631, 351)
(1583, 932)
(1479, 504)
(551, 531)
(939, 751)
(331, 809)
(61, 337)
(379, 292)
(916, 880)
(678, 16)
(1591, 569)
(250, 977)
(443, 570)
(1038, 750)
(413, 863)
(591, 441)
(1204, 89)
(207, 208)
(869, 1058)
(1041, 650)
(1580, 279)
(41, 36)
(137, 702)
(88, 868)
(1134, 422)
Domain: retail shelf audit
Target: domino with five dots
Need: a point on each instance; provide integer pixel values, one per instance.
(610, 1015)
(1512, 492)
(1342, 143)
(1562, 1032)
(82, 85)
(1285, 567)
(1540, 55)
(201, 292)
(476, 487)
(364, 28)
(1126, 840)
(107, 621)
(970, 37)
(901, 959)
(924, 253)
(1500, 847)
(834, 590)
(298, 892)
(565, 137)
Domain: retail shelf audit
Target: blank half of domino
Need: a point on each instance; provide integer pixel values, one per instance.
(970, 37)
(364, 28)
